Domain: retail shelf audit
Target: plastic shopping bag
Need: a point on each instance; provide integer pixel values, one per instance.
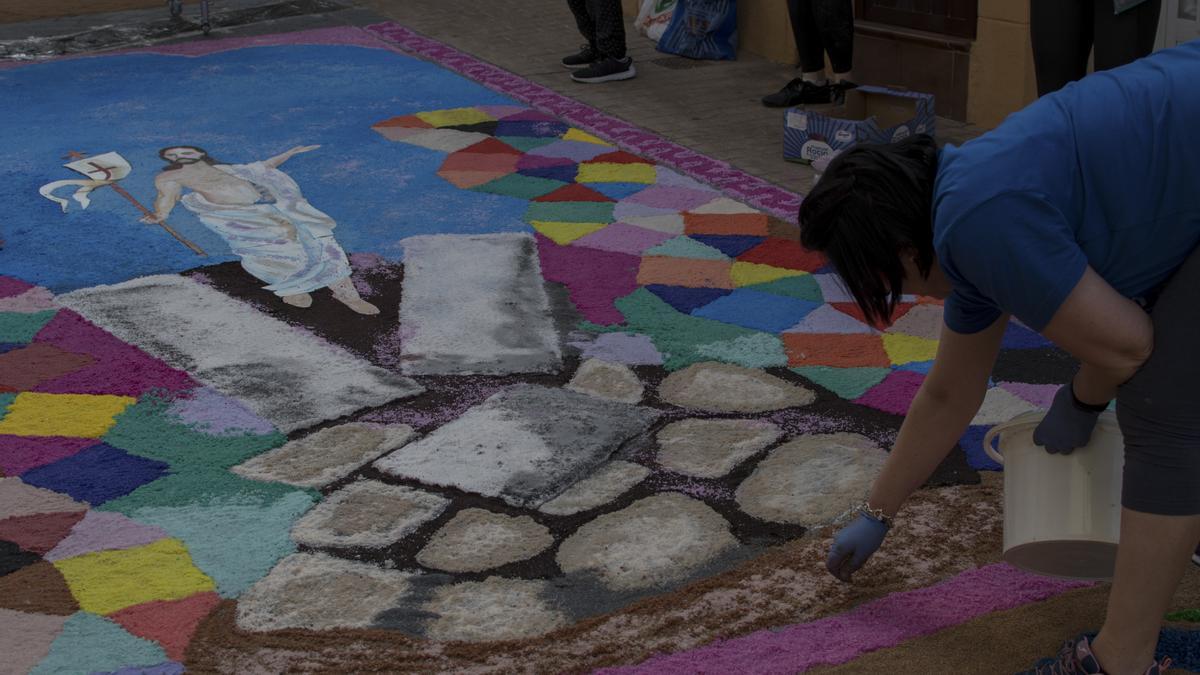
(653, 18)
(702, 29)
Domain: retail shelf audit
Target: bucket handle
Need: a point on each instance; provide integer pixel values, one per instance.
(1029, 419)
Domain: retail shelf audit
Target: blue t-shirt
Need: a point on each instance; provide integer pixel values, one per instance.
(1105, 172)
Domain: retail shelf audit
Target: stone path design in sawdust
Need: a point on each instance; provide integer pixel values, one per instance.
(690, 390)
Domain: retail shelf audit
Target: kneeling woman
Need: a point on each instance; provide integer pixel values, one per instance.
(1079, 215)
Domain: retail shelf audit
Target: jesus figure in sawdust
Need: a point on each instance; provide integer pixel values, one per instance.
(261, 213)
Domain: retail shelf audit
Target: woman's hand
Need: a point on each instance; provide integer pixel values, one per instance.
(854, 544)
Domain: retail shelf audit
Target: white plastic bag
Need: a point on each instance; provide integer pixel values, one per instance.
(653, 17)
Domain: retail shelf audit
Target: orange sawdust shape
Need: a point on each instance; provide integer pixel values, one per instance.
(841, 351)
(752, 224)
(686, 272)
(785, 254)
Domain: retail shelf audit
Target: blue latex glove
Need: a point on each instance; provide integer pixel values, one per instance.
(853, 545)
(1067, 425)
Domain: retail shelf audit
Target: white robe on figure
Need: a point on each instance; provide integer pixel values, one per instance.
(282, 240)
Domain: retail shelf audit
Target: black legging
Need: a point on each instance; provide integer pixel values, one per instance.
(602, 24)
(822, 26)
(1064, 32)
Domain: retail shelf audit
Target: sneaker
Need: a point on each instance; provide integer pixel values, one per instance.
(608, 70)
(799, 92)
(586, 57)
(1076, 658)
(1196, 556)
(838, 91)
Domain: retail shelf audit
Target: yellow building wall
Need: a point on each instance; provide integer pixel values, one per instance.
(1002, 79)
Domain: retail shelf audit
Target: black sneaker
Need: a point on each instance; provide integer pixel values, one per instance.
(799, 92)
(586, 57)
(1196, 556)
(839, 89)
(608, 70)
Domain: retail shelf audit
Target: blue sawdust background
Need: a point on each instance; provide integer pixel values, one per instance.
(241, 106)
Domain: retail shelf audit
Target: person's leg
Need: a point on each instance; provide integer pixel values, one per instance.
(609, 21)
(834, 20)
(583, 19)
(1125, 37)
(808, 40)
(812, 87)
(1159, 412)
(1061, 32)
(1154, 552)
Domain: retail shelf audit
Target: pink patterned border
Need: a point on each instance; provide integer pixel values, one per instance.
(732, 181)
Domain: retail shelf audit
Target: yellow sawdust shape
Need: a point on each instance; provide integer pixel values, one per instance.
(748, 274)
(77, 415)
(565, 233)
(902, 349)
(577, 135)
(454, 117)
(104, 582)
(604, 172)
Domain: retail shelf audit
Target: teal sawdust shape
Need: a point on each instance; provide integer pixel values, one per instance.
(684, 340)
(20, 327)
(149, 430)
(570, 212)
(519, 186)
(803, 287)
(848, 383)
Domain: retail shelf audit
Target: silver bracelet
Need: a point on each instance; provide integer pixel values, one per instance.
(877, 514)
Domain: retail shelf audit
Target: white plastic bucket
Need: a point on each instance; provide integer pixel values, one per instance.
(1062, 513)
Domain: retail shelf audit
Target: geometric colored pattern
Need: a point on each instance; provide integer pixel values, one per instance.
(723, 265)
(85, 416)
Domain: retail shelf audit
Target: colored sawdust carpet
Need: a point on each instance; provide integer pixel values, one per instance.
(418, 366)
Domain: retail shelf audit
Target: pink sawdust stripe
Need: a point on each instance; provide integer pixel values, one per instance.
(734, 182)
(875, 625)
(340, 35)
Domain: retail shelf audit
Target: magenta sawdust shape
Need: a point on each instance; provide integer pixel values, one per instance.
(19, 454)
(594, 278)
(874, 625)
(120, 369)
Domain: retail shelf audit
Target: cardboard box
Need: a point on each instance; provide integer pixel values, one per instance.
(869, 115)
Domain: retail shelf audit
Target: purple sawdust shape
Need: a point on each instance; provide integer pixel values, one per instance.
(633, 350)
(894, 394)
(623, 238)
(217, 414)
(102, 531)
(594, 278)
(676, 198)
(19, 454)
(120, 368)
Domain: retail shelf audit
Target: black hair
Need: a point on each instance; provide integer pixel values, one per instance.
(872, 204)
(176, 165)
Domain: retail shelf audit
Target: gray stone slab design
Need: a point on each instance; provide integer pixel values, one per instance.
(606, 484)
(367, 513)
(524, 445)
(285, 375)
(325, 456)
(652, 542)
(320, 592)
(476, 540)
(492, 609)
(812, 480)
(476, 304)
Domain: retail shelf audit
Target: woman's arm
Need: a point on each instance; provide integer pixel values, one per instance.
(943, 408)
(1110, 335)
